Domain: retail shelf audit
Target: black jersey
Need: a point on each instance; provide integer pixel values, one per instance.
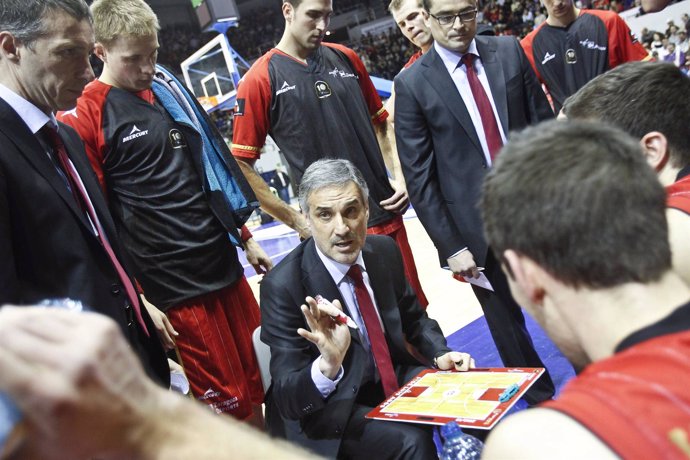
(321, 109)
(566, 58)
(153, 182)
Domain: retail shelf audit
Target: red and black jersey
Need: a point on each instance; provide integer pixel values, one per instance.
(323, 108)
(412, 59)
(153, 183)
(678, 193)
(565, 59)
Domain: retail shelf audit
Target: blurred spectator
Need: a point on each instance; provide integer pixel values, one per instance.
(675, 55)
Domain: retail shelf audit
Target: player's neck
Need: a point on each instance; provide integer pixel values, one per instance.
(291, 47)
(427, 47)
(565, 20)
(603, 318)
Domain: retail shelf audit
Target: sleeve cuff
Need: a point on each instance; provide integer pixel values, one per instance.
(325, 385)
(245, 234)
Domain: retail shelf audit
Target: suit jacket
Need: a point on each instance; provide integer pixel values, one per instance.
(294, 407)
(440, 152)
(47, 247)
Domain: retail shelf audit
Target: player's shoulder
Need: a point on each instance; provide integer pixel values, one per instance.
(542, 433)
(348, 52)
(608, 17)
(89, 105)
(529, 38)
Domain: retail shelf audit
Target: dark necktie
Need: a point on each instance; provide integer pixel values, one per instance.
(486, 113)
(377, 339)
(84, 203)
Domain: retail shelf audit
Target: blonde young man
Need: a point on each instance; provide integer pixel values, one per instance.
(316, 100)
(148, 164)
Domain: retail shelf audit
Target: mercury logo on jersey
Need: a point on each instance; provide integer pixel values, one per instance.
(547, 57)
(134, 133)
(285, 88)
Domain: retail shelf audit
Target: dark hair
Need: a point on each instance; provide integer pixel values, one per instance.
(580, 200)
(24, 18)
(294, 3)
(640, 97)
(330, 172)
(395, 5)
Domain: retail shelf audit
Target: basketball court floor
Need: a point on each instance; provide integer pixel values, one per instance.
(451, 303)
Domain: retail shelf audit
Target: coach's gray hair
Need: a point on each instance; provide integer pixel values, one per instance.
(330, 173)
(24, 19)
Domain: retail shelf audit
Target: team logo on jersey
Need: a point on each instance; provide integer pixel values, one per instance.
(134, 133)
(547, 57)
(285, 88)
(570, 56)
(239, 107)
(592, 45)
(342, 74)
(322, 89)
(177, 140)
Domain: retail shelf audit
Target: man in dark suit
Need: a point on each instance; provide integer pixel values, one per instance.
(57, 239)
(327, 376)
(453, 112)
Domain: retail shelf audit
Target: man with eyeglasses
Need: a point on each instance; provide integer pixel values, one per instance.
(573, 46)
(453, 111)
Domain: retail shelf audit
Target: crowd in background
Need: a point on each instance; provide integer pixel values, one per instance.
(385, 53)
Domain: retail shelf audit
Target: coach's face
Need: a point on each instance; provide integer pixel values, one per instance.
(457, 34)
(338, 219)
(51, 71)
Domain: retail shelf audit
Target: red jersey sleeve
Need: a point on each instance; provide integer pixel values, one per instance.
(87, 119)
(376, 110)
(526, 44)
(252, 110)
(623, 45)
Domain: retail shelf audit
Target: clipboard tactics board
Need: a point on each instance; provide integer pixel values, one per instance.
(477, 398)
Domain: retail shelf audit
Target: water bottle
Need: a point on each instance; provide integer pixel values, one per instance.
(458, 445)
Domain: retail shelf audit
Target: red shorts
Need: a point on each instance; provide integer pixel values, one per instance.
(395, 228)
(215, 346)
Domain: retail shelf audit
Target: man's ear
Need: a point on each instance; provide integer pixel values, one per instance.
(288, 11)
(100, 52)
(9, 46)
(655, 147)
(526, 274)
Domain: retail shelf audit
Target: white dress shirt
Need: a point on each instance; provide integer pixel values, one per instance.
(338, 272)
(458, 72)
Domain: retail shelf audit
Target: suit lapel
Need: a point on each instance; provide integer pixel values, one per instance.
(30, 148)
(494, 73)
(317, 280)
(435, 71)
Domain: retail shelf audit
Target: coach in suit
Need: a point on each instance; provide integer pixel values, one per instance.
(325, 375)
(454, 109)
(49, 244)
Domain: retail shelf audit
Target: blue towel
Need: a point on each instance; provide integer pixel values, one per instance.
(217, 161)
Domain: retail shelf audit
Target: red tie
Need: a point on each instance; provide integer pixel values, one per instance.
(84, 202)
(491, 131)
(379, 347)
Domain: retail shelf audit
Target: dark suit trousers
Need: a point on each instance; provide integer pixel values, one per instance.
(507, 326)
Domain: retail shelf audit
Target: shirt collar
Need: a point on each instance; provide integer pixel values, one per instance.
(34, 117)
(337, 270)
(451, 59)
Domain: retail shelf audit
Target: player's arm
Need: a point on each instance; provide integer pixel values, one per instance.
(383, 127)
(678, 231)
(250, 127)
(625, 46)
(271, 203)
(543, 434)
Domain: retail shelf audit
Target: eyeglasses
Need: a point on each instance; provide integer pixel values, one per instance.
(465, 16)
